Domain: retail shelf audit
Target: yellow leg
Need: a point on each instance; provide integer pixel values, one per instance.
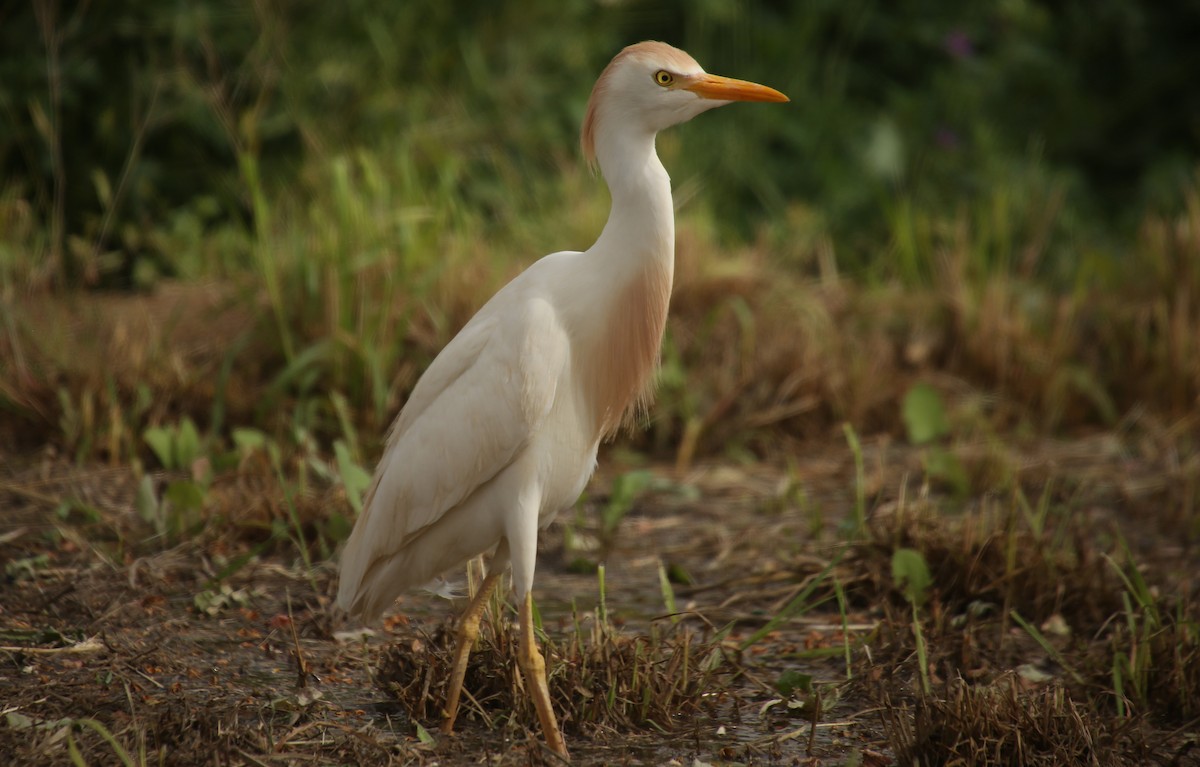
(534, 667)
(468, 630)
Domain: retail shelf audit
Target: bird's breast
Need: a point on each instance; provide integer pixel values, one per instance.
(617, 371)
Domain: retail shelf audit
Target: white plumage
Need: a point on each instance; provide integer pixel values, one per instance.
(501, 431)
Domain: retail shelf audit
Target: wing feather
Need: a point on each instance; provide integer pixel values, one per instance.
(470, 415)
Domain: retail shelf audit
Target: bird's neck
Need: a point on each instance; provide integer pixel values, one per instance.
(641, 225)
(635, 255)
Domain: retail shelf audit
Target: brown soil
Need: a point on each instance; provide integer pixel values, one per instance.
(98, 622)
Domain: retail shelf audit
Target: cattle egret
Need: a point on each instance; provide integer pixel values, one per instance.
(500, 433)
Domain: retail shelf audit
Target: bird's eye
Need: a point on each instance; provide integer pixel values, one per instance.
(663, 77)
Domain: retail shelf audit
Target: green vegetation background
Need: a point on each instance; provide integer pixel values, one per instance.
(151, 106)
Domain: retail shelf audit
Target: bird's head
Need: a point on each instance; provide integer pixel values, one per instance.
(652, 86)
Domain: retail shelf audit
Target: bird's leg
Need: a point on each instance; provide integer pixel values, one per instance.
(468, 631)
(534, 667)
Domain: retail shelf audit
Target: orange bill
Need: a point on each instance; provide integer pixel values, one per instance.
(728, 89)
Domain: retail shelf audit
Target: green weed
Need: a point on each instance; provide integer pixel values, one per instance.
(927, 425)
(801, 603)
(626, 489)
(860, 482)
(1154, 647)
(118, 750)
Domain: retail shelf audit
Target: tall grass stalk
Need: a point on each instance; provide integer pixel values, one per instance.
(860, 481)
(297, 525)
(602, 606)
(1045, 644)
(264, 253)
(841, 600)
(668, 592)
(922, 654)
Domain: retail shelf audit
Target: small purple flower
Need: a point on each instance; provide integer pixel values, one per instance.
(958, 44)
(946, 139)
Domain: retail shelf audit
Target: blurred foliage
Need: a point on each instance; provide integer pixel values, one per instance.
(141, 112)
(127, 120)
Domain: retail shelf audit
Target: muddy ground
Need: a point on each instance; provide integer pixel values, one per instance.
(189, 655)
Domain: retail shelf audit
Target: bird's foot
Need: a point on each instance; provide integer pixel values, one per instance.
(534, 667)
(468, 632)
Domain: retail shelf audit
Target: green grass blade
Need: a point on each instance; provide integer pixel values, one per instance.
(797, 606)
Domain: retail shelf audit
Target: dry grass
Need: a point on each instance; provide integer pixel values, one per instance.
(994, 556)
(755, 351)
(602, 682)
(1045, 639)
(1009, 723)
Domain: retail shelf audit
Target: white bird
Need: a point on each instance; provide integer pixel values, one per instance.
(500, 433)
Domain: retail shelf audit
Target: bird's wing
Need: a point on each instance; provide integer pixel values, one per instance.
(477, 405)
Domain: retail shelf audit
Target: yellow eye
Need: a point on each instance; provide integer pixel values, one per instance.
(663, 77)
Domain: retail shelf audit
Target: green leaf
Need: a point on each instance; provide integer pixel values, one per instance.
(924, 416)
(17, 721)
(668, 592)
(27, 567)
(187, 444)
(625, 491)
(338, 527)
(355, 478)
(160, 441)
(146, 501)
(791, 681)
(676, 573)
(248, 440)
(424, 736)
(910, 574)
(346, 421)
(185, 494)
(945, 467)
(581, 566)
(84, 511)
